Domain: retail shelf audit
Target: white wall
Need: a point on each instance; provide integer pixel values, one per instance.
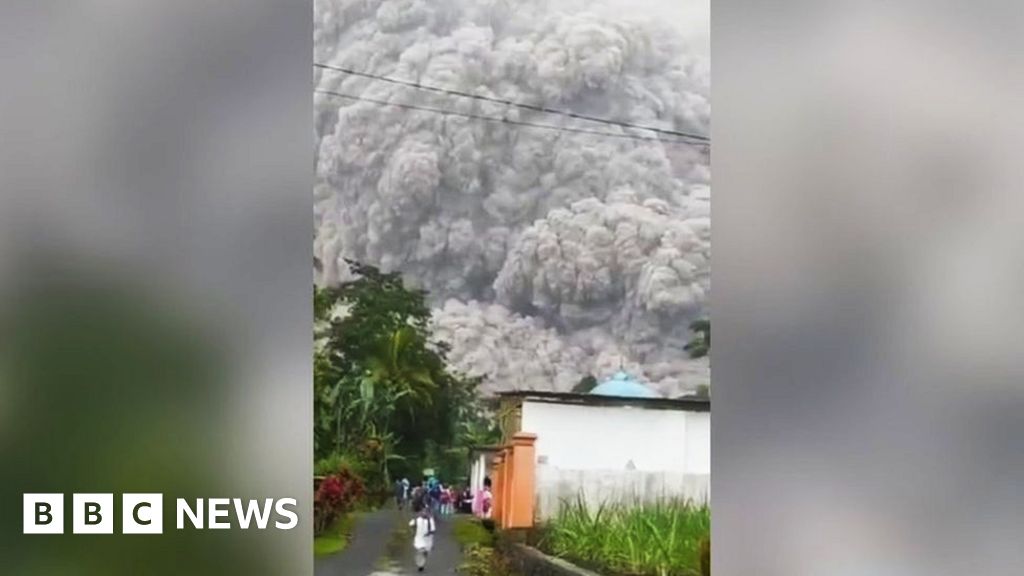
(554, 485)
(588, 437)
(698, 443)
(585, 449)
(478, 471)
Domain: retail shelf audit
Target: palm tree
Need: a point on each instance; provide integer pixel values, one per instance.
(478, 432)
(396, 364)
(393, 373)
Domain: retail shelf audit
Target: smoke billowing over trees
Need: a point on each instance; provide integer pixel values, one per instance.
(548, 255)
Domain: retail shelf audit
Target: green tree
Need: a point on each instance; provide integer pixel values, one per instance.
(402, 364)
(383, 386)
(397, 375)
(585, 385)
(700, 345)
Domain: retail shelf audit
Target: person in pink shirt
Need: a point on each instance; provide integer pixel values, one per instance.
(482, 502)
(446, 500)
(478, 501)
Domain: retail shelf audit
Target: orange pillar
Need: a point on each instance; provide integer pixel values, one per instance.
(521, 485)
(508, 482)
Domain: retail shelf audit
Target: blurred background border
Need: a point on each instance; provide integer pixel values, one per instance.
(155, 230)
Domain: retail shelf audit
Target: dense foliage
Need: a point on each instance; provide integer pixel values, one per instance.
(385, 397)
(700, 345)
(663, 538)
(335, 496)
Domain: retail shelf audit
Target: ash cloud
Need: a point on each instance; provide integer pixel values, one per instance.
(551, 254)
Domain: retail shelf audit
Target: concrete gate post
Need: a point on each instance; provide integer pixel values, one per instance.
(522, 483)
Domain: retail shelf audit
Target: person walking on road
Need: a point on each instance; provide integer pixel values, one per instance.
(399, 494)
(447, 496)
(435, 496)
(423, 538)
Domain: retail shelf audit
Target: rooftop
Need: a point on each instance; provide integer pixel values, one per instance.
(624, 386)
(690, 403)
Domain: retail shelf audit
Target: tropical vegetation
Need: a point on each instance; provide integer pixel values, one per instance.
(668, 537)
(335, 495)
(700, 345)
(386, 402)
(480, 557)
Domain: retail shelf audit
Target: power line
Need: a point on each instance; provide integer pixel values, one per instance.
(505, 120)
(531, 107)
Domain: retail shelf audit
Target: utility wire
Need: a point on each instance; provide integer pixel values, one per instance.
(505, 120)
(532, 107)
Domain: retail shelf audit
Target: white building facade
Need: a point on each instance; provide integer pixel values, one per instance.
(616, 449)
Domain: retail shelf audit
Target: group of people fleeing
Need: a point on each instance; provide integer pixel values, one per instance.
(432, 499)
(440, 499)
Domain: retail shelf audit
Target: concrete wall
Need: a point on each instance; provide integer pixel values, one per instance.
(532, 562)
(479, 469)
(614, 453)
(698, 443)
(588, 437)
(553, 485)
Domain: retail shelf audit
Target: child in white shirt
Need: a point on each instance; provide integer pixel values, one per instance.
(423, 540)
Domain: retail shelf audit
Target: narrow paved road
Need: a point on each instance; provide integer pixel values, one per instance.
(369, 552)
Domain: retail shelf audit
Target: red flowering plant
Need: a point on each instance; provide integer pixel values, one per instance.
(336, 495)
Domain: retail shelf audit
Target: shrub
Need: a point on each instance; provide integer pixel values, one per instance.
(374, 493)
(333, 464)
(336, 495)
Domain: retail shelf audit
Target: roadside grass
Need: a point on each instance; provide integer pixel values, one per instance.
(470, 532)
(335, 538)
(635, 538)
(479, 555)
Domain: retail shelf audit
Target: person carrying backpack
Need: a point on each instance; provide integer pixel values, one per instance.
(435, 497)
(423, 535)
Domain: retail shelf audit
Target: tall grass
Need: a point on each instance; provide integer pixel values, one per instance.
(660, 538)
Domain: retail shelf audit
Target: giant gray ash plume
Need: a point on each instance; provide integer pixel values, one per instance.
(550, 254)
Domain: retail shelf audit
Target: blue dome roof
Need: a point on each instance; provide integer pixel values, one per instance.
(623, 385)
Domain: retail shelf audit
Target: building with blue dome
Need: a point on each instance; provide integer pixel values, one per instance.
(622, 385)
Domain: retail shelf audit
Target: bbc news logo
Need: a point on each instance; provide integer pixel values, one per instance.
(144, 513)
